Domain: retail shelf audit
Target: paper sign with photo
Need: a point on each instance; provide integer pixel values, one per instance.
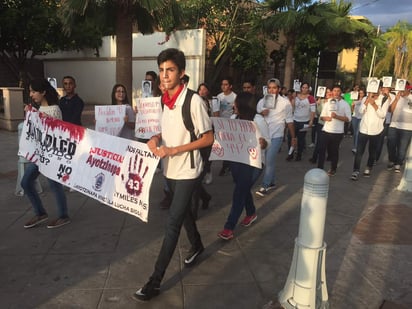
(269, 101)
(400, 84)
(373, 85)
(321, 92)
(387, 81)
(333, 105)
(296, 85)
(52, 82)
(354, 95)
(146, 88)
(265, 90)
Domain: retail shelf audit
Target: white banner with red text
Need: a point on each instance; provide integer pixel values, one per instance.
(109, 118)
(115, 171)
(236, 140)
(148, 117)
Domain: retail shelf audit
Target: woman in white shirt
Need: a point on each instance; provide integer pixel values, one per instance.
(356, 117)
(46, 97)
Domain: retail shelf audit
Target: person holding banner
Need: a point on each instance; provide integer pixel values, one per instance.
(244, 175)
(175, 146)
(45, 96)
(119, 97)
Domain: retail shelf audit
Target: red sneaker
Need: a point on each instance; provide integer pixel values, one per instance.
(226, 234)
(248, 220)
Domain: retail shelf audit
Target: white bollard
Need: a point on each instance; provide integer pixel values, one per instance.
(306, 283)
(406, 181)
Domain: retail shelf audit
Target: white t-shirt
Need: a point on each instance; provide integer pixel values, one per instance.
(174, 133)
(225, 104)
(402, 115)
(303, 109)
(277, 117)
(356, 108)
(52, 111)
(342, 109)
(372, 120)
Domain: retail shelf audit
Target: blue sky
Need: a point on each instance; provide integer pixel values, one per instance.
(385, 13)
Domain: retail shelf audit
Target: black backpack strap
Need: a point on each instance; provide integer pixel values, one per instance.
(187, 120)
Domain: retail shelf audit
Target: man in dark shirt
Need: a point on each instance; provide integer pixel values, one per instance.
(71, 104)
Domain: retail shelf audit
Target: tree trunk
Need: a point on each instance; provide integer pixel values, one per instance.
(289, 64)
(124, 46)
(358, 75)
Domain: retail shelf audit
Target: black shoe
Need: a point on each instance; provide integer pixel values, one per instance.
(192, 256)
(148, 291)
(298, 158)
(289, 157)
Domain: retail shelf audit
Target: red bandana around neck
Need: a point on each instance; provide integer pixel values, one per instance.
(170, 102)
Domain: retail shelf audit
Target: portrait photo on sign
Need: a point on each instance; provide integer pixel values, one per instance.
(270, 101)
(387, 81)
(400, 84)
(354, 95)
(321, 91)
(373, 85)
(296, 85)
(146, 88)
(52, 81)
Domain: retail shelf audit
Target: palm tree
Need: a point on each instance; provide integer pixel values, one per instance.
(289, 17)
(398, 54)
(123, 16)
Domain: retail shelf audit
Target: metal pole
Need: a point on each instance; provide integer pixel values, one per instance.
(373, 55)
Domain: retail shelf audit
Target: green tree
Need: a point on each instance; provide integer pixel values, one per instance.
(327, 23)
(122, 16)
(29, 28)
(231, 39)
(398, 55)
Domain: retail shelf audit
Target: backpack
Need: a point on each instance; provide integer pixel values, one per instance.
(187, 120)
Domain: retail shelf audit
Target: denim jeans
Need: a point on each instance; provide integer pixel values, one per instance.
(271, 153)
(243, 177)
(398, 143)
(360, 150)
(27, 183)
(355, 131)
(180, 213)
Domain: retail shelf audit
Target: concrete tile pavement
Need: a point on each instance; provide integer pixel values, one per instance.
(103, 256)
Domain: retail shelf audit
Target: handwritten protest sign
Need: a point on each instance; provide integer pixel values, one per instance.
(115, 171)
(149, 115)
(236, 140)
(109, 118)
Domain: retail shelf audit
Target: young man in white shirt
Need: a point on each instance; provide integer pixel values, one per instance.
(224, 108)
(174, 145)
(334, 113)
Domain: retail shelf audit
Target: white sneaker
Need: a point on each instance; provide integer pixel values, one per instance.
(208, 179)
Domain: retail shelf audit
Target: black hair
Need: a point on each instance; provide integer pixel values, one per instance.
(126, 99)
(43, 85)
(69, 77)
(229, 80)
(152, 74)
(251, 81)
(174, 55)
(185, 79)
(246, 105)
